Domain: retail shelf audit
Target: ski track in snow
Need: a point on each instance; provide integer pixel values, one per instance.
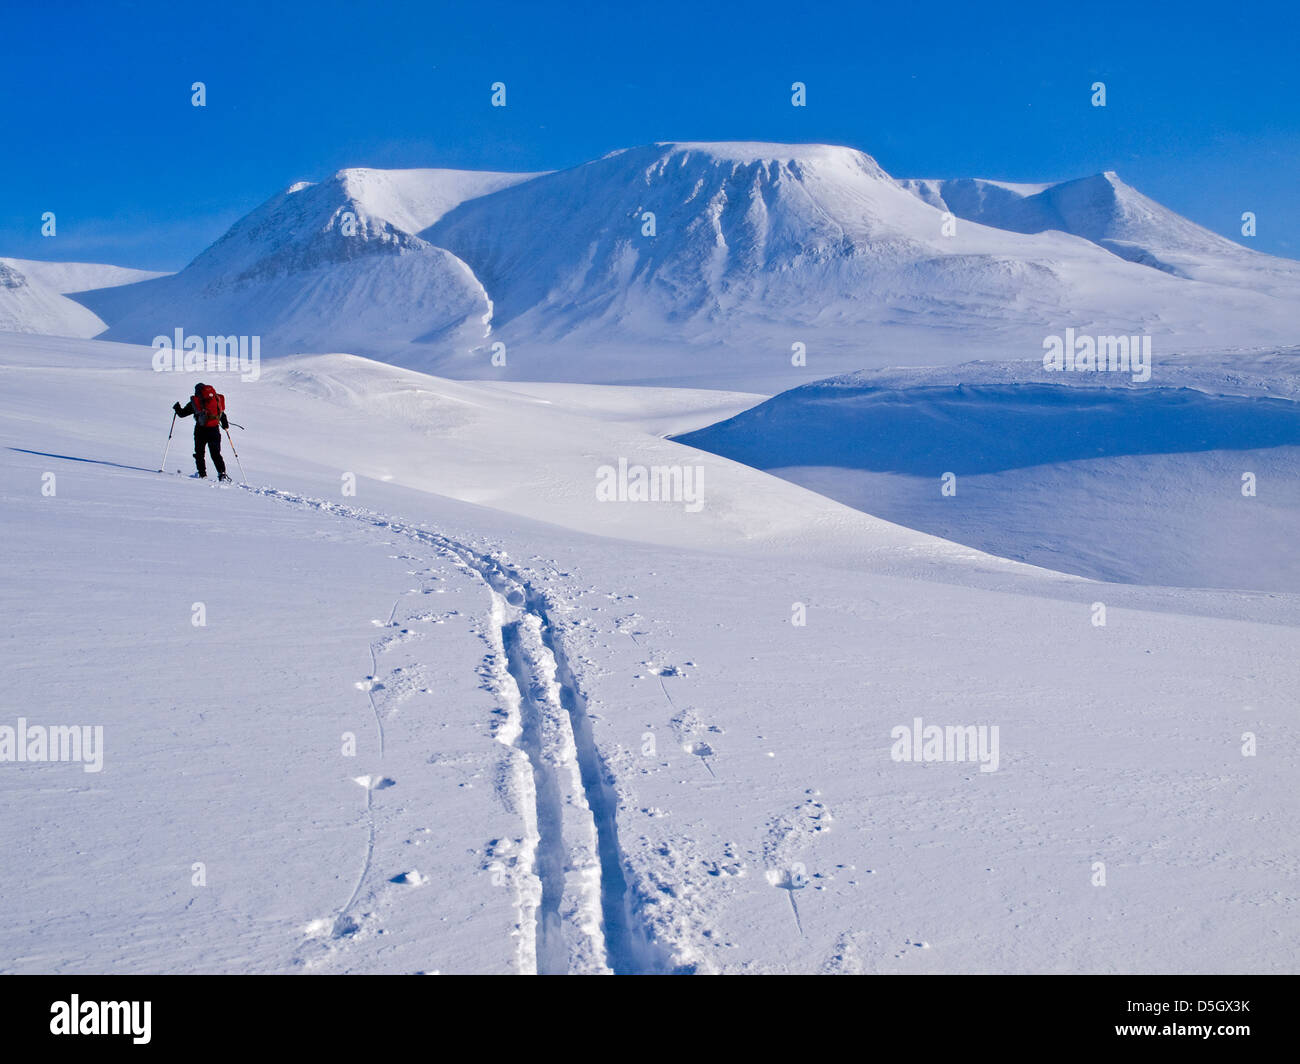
(369, 686)
(577, 904)
(344, 925)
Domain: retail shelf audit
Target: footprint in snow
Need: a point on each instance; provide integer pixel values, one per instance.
(405, 635)
(665, 670)
(345, 927)
(687, 725)
(319, 928)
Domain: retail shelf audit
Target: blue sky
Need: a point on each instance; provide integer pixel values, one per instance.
(1203, 107)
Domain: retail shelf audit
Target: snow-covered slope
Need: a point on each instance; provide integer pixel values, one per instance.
(973, 198)
(33, 295)
(750, 838)
(1119, 218)
(68, 277)
(330, 266)
(469, 718)
(1141, 483)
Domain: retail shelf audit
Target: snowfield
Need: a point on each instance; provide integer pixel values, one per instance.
(469, 717)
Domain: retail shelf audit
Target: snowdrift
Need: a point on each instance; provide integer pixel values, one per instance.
(1141, 483)
(852, 423)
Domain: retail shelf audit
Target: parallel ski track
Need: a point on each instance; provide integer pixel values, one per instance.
(624, 945)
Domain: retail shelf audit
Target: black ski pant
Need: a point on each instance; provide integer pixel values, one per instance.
(208, 436)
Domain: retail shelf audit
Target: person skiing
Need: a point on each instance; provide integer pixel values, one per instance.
(209, 410)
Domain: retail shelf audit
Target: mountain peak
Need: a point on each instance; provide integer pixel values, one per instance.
(760, 151)
(750, 153)
(1101, 208)
(687, 246)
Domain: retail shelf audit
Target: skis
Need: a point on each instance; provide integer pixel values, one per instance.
(229, 482)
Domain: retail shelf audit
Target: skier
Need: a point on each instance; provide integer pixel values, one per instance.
(209, 410)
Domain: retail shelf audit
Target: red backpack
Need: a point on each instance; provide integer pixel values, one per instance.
(208, 406)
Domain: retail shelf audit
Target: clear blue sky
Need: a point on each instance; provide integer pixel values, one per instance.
(96, 125)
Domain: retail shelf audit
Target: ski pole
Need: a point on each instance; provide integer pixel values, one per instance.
(243, 479)
(235, 423)
(163, 468)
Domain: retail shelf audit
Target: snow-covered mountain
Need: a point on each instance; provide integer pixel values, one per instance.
(33, 295)
(328, 266)
(707, 264)
(758, 246)
(1117, 217)
(745, 234)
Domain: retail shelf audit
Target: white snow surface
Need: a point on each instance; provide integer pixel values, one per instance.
(1078, 472)
(33, 295)
(471, 719)
(68, 277)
